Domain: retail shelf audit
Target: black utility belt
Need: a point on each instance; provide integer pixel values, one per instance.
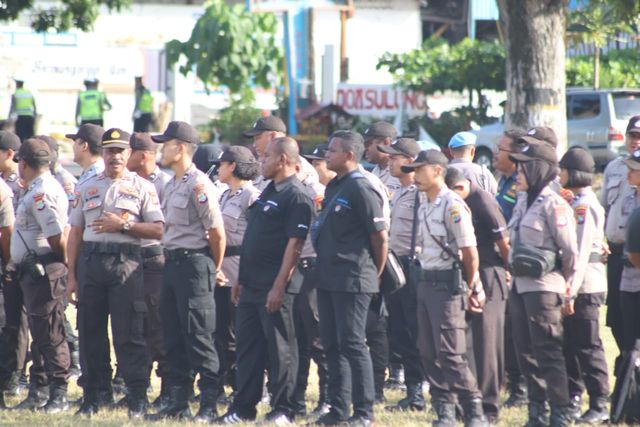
(182, 253)
(436, 275)
(152, 251)
(112, 248)
(307, 263)
(232, 251)
(595, 258)
(44, 259)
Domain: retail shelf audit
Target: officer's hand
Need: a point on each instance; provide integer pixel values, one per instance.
(477, 297)
(274, 299)
(507, 275)
(108, 223)
(568, 307)
(221, 279)
(236, 290)
(72, 286)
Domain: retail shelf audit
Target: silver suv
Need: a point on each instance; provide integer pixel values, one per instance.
(596, 120)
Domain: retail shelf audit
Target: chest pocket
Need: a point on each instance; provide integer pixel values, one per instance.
(613, 188)
(232, 218)
(92, 209)
(177, 212)
(128, 203)
(532, 231)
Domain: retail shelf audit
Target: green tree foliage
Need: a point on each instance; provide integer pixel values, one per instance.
(233, 120)
(230, 46)
(59, 15)
(619, 69)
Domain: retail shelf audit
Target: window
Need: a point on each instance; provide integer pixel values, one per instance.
(584, 106)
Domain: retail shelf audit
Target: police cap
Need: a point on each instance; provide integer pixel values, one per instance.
(89, 133)
(380, 130)
(116, 138)
(182, 131)
(318, 153)
(404, 146)
(265, 124)
(142, 141)
(427, 157)
(634, 124)
(577, 158)
(537, 150)
(35, 152)
(9, 141)
(539, 134)
(236, 154)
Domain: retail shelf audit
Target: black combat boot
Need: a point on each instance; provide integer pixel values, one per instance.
(473, 414)
(208, 406)
(517, 393)
(36, 399)
(137, 402)
(537, 415)
(178, 407)
(162, 401)
(597, 413)
(413, 402)
(446, 413)
(57, 399)
(90, 404)
(323, 406)
(396, 377)
(561, 416)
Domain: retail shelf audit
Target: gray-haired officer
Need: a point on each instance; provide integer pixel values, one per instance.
(616, 195)
(194, 243)
(462, 146)
(112, 212)
(237, 168)
(446, 230)
(38, 252)
(583, 350)
(402, 305)
(143, 162)
(381, 134)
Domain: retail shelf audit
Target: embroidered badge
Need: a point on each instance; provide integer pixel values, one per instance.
(91, 205)
(454, 213)
(338, 207)
(38, 200)
(202, 198)
(561, 216)
(581, 214)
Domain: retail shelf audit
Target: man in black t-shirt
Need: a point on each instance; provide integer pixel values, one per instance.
(278, 223)
(351, 245)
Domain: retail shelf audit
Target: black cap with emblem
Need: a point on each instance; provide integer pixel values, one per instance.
(142, 141)
(116, 138)
(236, 154)
(35, 152)
(182, 131)
(537, 150)
(89, 133)
(265, 124)
(318, 152)
(9, 141)
(404, 146)
(540, 134)
(577, 158)
(427, 157)
(634, 124)
(380, 130)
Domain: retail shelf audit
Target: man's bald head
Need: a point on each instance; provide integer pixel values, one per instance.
(288, 147)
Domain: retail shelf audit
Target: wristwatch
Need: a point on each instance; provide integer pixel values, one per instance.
(126, 226)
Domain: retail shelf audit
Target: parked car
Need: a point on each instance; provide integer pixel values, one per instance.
(596, 120)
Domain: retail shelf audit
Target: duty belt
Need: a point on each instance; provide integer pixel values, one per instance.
(616, 248)
(307, 263)
(232, 251)
(436, 275)
(181, 253)
(45, 259)
(151, 251)
(111, 248)
(595, 257)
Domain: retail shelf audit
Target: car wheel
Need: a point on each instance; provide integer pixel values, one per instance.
(484, 157)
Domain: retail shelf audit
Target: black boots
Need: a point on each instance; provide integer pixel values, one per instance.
(57, 399)
(162, 401)
(178, 407)
(537, 415)
(137, 402)
(36, 399)
(561, 416)
(413, 402)
(517, 393)
(597, 413)
(473, 414)
(208, 411)
(446, 413)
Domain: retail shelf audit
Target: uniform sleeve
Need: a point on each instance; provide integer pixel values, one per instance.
(369, 209)
(76, 217)
(492, 217)
(458, 222)
(47, 213)
(585, 228)
(633, 232)
(206, 197)
(603, 190)
(151, 210)
(563, 229)
(298, 217)
(7, 215)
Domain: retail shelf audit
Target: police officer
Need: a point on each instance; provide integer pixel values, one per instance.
(7, 342)
(9, 146)
(487, 328)
(542, 220)
(38, 252)
(143, 110)
(462, 147)
(616, 195)
(23, 108)
(319, 163)
(402, 305)
(194, 244)
(263, 131)
(63, 176)
(278, 224)
(237, 168)
(87, 150)
(143, 162)
(91, 104)
(112, 212)
(446, 231)
(584, 353)
(376, 135)
(350, 239)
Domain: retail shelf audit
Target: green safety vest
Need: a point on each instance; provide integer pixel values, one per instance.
(23, 102)
(145, 103)
(91, 104)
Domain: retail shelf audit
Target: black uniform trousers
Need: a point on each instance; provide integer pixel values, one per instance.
(14, 338)
(142, 123)
(442, 343)
(583, 349)
(188, 312)
(264, 340)
(630, 310)
(225, 336)
(152, 270)
(25, 127)
(402, 306)
(378, 342)
(615, 320)
(306, 321)
(538, 333)
(487, 329)
(111, 284)
(343, 318)
(44, 301)
(511, 364)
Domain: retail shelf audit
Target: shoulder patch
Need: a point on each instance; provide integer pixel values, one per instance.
(581, 213)
(38, 200)
(454, 214)
(561, 215)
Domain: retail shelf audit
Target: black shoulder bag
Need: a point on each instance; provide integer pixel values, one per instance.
(529, 261)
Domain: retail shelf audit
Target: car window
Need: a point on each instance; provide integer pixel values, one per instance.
(626, 104)
(584, 106)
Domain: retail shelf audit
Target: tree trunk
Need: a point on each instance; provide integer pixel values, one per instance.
(535, 48)
(596, 68)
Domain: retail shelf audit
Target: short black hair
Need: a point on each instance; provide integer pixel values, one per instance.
(453, 176)
(246, 171)
(578, 179)
(350, 141)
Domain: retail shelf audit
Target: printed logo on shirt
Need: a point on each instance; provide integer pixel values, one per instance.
(581, 214)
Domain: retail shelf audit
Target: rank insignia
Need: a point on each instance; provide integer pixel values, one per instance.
(92, 191)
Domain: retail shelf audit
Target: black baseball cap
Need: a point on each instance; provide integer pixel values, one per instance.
(577, 158)
(142, 141)
(535, 151)
(318, 153)
(236, 154)
(427, 157)
(265, 124)
(633, 161)
(205, 156)
(89, 133)
(116, 138)
(9, 141)
(34, 150)
(178, 130)
(540, 134)
(380, 130)
(403, 146)
(51, 142)
(634, 124)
